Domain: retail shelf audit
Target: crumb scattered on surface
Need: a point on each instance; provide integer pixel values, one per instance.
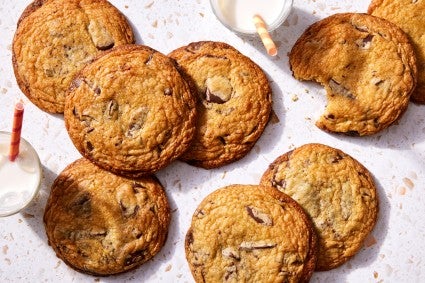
(147, 6)
(408, 183)
(28, 215)
(370, 241)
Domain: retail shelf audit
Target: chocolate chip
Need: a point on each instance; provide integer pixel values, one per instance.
(365, 43)
(281, 184)
(135, 257)
(149, 59)
(82, 205)
(111, 111)
(97, 90)
(89, 146)
(211, 97)
(137, 121)
(75, 112)
(76, 83)
(352, 133)
(100, 36)
(168, 91)
(189, 237)
(231, 273)
(259, 245)
(194, 47)
(231, 253)
(337, 88)
(258, 216)
(137, 187)
(337, 158)
(222, 140)
(105, 46)
(361, 28)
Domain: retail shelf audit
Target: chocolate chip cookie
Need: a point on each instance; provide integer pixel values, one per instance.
(367, 66)
(55, 38)
(335, 190)
(234, 102)
(407, 14)
(130, 111)
(247, 233)
(102, 224)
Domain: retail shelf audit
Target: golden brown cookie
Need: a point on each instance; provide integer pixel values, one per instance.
(408, 15)
(247, 233)
(55, 38)
(335, 190)
(130, 111)
(367, 66)
(234, 102)
(102, 224)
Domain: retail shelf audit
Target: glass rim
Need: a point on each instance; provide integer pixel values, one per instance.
(286, 10)
(37, 186)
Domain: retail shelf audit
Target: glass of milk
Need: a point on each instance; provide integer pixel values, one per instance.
(237, 14)
(19, 180)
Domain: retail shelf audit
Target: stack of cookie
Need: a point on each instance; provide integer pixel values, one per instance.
(130, 111)
(96, 221)
(313, 210)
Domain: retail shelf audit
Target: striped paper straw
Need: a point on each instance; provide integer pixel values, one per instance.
(15, 139)
(268, 43)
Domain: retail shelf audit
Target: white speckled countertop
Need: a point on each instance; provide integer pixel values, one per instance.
(396, 156)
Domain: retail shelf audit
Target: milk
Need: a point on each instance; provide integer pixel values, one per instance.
(19, 180)
(238, 14)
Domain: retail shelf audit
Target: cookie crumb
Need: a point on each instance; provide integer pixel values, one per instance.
(408, 183)
(168, 268)
(295, 98)
(402, 191)
(5, 249)
(370, 241)
(28, 215)
(147, 6)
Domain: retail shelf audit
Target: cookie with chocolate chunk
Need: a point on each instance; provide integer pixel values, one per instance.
(130, 111)
(54, 39)
(407, 14)
(234, 102)
(101, 224)
(250, 233)
(336, 191)
(367, 66)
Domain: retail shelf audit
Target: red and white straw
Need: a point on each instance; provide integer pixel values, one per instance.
(15, 139)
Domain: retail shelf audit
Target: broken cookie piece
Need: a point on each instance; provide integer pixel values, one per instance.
(367, 66)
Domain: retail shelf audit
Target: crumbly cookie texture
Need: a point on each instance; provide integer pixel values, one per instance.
(248, 233)
(335, 190)
(56, 38)
(407, 14)
(234, 102)
(102, 224)
(367, 66)
(130, 111)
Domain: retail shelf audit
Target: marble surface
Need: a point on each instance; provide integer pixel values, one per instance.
(396, 156)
